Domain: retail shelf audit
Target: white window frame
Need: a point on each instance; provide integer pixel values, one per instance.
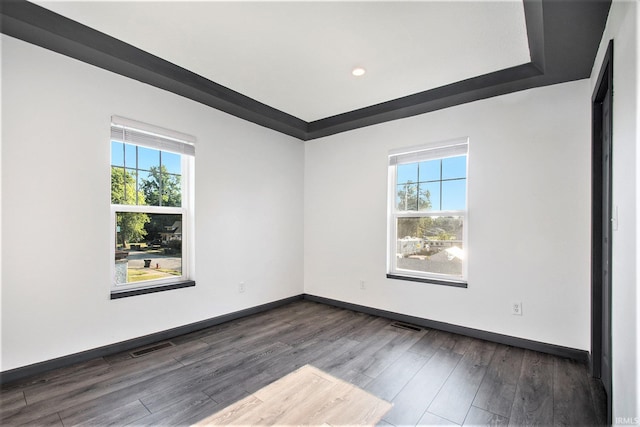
(150, 136)
(430, 151)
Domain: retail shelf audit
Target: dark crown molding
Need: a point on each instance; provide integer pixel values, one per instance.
(563, 41)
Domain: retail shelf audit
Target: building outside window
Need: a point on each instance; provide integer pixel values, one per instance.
(151, 206)
(427, 213)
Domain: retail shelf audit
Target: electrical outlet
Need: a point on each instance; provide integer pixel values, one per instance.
(362, 285)
(241, 287)
(516, 308)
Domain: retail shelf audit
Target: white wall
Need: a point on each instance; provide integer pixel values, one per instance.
(56, 193)
(622, 27)
(529, 215)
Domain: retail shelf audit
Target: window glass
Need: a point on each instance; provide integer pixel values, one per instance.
(172, 162)
(407, 173)
(407, 197)
(130, 155)
(148, 246)
(148, 158)
(117, 185)
(117, 153)
(430, 245)
(454, 195)
(143, 176)
(430, 192)
(430, 170)
(454, 167)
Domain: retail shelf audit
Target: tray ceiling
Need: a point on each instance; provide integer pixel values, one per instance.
(298, 56)
(286, 65)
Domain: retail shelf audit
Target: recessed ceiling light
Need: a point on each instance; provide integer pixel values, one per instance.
(358, 71)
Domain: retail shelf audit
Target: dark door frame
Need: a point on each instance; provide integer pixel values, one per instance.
(600, 196)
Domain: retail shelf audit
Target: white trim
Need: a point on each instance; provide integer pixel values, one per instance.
(422, 214)
(432, 150)
(152, 129)
(149, 209)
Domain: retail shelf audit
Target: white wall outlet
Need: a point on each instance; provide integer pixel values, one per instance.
(362, 286)
(241, 287)
(516, 308)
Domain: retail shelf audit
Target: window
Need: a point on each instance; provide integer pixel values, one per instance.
(427, 213)
(151, 214)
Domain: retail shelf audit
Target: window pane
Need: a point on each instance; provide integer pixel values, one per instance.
(171, 190)
(430, 245)
(148, 246)
(454, 195)
(131, 190)
(430, 170)
(123, 186)
(117, 185)
(172, 162)
(130, 155)
(161, 188)
(117, 153)
(143, 190)
(430, 196)
(148, 158)
(454, 167)
(407, 197)
(407, 173)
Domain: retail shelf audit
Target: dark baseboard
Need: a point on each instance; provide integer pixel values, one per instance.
(61, 362)
(556, 350)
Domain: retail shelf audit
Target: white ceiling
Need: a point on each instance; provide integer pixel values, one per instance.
(298, 56)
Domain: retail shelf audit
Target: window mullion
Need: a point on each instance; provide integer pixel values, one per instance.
(136, 176)
(440, 183)
(160, 181)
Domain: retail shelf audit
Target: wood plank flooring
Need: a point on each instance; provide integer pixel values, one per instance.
(429, 377)
(307, 396)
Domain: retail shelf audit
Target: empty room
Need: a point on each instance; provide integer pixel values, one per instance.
(319, 212)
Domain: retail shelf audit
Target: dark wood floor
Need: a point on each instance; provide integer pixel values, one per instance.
(431, 377)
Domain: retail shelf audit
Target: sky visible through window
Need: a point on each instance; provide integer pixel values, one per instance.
(147, 157)
(444, 179)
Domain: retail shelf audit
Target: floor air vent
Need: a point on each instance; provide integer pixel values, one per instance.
(406, 326)
(151, 349)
